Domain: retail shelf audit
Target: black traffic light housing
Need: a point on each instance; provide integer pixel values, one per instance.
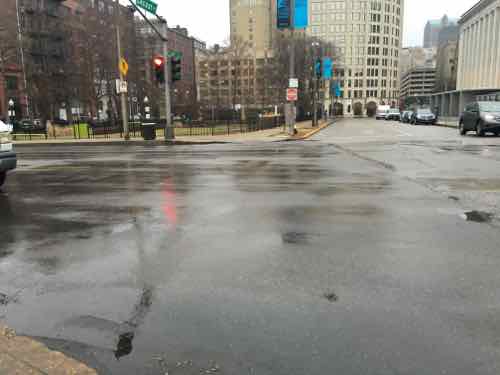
(176, 68)
(159, 67)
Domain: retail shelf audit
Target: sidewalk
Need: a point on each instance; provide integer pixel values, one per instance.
(23, 356)
(304, 129)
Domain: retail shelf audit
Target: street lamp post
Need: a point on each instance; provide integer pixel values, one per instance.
(146, 108)
(12, 111)
(315, 45)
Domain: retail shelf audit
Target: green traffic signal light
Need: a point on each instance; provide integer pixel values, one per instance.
(176, 68)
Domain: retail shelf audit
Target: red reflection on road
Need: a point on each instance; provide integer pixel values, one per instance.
(169, 202)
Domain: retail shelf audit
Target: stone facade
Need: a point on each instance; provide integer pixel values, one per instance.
(479, 51)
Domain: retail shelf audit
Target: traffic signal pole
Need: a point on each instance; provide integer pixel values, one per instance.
(169, 131)
(123, 95)
(291, 109)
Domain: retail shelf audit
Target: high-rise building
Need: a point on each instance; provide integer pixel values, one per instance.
(252, 22)
(417, 57)
(368, 36)
(433, 28)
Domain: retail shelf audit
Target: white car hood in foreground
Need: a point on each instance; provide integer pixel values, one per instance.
(5, 128)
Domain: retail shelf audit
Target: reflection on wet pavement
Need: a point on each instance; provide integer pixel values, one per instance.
(240, 260)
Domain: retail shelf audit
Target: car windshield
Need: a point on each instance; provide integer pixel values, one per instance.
(490, 106)
(424, 111)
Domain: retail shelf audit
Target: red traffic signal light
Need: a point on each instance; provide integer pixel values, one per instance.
(159, 66)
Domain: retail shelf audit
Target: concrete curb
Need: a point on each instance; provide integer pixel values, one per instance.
(135, 142)
(311, 133)
(447, 126)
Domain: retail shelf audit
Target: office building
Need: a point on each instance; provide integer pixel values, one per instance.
(368, 36)
(418, 83)
(432, 30)
(252, 22)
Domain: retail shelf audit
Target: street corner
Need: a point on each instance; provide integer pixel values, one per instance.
(23, 355)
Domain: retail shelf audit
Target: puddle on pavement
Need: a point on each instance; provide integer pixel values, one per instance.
(296, 238)
(454, 198)
(331, 297)
(124, 346)
(5, 299)
(478, 216)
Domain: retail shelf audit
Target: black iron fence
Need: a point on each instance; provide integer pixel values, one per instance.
(109, 129)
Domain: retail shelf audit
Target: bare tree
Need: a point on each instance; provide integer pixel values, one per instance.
(307, 50)
(8, 55)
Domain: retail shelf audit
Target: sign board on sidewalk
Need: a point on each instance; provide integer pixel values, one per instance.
(147, 5)
(293, 83)
(292, 95)
(121, 87)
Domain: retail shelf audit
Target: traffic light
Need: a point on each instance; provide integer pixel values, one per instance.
(176, 66)
(159, 66)
(318, 68)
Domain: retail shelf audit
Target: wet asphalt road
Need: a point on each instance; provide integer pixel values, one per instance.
(345, 254)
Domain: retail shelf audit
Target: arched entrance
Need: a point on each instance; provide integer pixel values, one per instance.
(357, 109)
(338, 109)
(371, 109)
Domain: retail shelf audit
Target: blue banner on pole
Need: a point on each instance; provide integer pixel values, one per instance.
(337, 90)
(284, 14)
(327, 68)
(301, 16)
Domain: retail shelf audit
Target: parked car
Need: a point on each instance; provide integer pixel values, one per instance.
(8, 159)
(481, 117)
(423, 116)
(382, 112)
(393, 115)
(406, 117)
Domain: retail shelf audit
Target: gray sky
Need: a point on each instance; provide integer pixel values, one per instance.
(209, 19)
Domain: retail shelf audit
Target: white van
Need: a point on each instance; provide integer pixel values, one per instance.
(382, 111)
(8, 159)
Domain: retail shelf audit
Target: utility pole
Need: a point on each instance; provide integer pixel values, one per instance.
(123, 95)
(21, 52)
(169, 131)
(290, 106)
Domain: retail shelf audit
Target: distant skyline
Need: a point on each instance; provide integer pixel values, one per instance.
(209, 20)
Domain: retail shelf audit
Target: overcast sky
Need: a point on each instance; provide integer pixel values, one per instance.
(208, 20)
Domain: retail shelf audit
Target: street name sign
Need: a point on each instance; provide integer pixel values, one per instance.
(147, 5)
(293, 83)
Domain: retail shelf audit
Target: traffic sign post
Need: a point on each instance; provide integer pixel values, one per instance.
(123, 66)
(292, 95)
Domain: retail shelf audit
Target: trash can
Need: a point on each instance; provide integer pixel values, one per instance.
(149, 131)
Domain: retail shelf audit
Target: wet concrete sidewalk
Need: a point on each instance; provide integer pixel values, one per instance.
(304, 128)
(22, 355)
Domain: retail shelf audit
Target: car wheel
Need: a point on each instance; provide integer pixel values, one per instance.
(3, 176)
(461, 129)
(479, 129)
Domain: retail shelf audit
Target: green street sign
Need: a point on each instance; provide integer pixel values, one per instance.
(175, 54)
(147, 5)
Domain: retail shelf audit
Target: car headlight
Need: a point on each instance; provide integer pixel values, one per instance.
(489, 118)
(5, 138)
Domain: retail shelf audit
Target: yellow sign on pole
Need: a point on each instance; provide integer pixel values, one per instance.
(123, 66)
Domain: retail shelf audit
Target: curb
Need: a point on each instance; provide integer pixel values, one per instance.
(117, 143)
(311, 133)
(447, 126)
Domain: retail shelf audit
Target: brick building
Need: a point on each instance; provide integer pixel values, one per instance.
(183, 92)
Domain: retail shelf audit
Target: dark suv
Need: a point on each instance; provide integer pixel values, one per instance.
(481, 117)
